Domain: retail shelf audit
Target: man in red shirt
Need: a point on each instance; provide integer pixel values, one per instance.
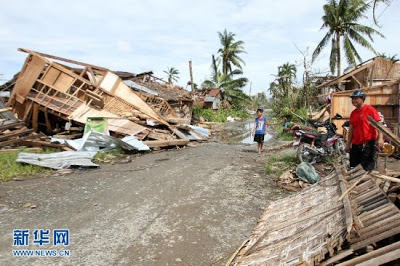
(362, 136)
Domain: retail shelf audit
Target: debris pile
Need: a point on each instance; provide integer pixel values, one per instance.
(288, 180)
(344, 218)
(60, 97)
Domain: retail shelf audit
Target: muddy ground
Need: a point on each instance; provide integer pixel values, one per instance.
(189, 206)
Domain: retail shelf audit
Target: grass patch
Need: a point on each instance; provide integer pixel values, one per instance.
(105, 157)
(11, 169)
(277, 164)
(281, 134)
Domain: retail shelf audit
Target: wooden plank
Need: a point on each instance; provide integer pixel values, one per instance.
(353, 186)
(11, 125)
(63, 82)
(21, 131)
(62, 59)
(27, 112)
(35, 117)
(359, 83)
(166, 143)
(177, 132)
(13, 141)
(385, 131)
(377, 225)
(27, 78)
(385, 177)
(6, 109)
(346, 202)
(376, 238)
(41, 143)
(377, 257)
(337, 257)
(51, 76)
(35, 150)
(46, 117)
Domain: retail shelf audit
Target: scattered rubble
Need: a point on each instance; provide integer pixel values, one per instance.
(62, 97)
(346, 217)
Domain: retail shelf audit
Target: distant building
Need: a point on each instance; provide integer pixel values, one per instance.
(213, 99)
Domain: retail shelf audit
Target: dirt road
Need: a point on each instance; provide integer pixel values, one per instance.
(192, 206)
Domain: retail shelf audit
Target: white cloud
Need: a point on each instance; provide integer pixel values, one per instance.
(137, 36)
(124, 46)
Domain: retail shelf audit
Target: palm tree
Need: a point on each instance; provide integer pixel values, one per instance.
(222, 81)
(341, 21)
(172, 74)
(229, 84)
(285, 79)
(375, 4)
(229, 52)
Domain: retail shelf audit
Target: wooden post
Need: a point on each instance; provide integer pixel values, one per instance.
(35, 116)
(191, 75)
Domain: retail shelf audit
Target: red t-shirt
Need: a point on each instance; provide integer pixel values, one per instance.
(362, 130)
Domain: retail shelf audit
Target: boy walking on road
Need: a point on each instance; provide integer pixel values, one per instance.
(260, 129)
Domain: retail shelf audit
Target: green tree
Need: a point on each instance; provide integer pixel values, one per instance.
(229, 84)
(259, 100)
(284, 94)
(172, 74)
(340, 19)
(222, 81)
(230, 51)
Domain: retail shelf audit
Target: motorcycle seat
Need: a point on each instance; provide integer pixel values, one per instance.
(313, 133)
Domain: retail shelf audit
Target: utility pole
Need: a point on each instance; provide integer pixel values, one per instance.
(191, 75)
(250, 90)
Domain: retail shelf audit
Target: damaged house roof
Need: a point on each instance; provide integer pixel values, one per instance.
(373, 72)
(166, 91)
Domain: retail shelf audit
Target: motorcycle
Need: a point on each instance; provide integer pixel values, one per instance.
(313, 147)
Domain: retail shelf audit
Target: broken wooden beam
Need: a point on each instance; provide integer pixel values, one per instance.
(166, 143)
(346, 202)
(385, 131)
(16, 133)
(377, 257)
(41, 143)
(35, 150)
(385, 177)
(11, 125)
(63, 59)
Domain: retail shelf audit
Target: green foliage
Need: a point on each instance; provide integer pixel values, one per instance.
(104, 156)
(172, 74)
(219, 116)
(282, 134)
(229, 52)
(223, 75)
(11, 169)
(341, 21)
(258, 100)
(277, 164)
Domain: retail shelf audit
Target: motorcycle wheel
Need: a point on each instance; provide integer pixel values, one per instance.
(304, 155)
(340, 147)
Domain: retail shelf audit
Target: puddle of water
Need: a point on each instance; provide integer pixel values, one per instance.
(248, 138)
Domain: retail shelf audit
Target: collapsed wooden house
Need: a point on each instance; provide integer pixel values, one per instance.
(374, 72)
(50, 92)
(384, 98)
(379, 78)
(332, 221)
(154, 90)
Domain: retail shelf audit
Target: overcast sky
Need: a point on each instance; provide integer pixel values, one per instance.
(139, 36)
